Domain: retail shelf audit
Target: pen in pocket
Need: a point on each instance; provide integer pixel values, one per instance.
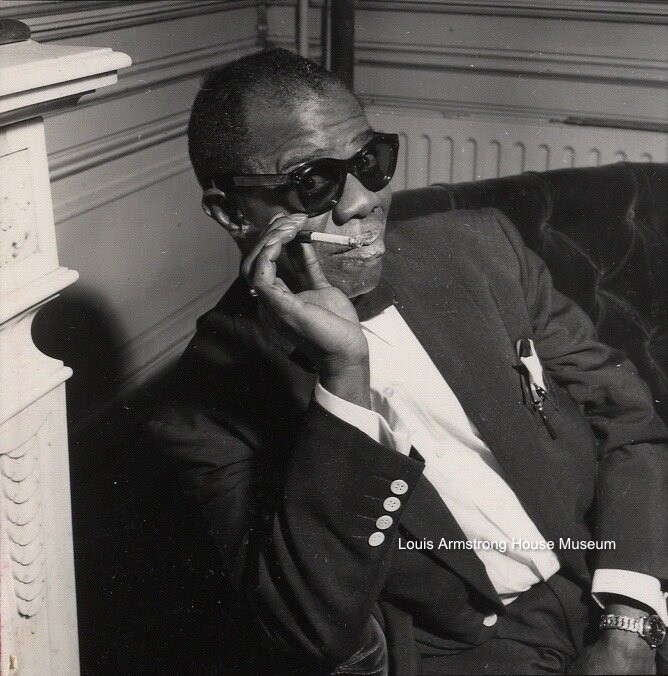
(534, 374)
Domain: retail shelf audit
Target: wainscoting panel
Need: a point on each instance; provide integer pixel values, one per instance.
(436, 149)
(126, 203)
(545, 60)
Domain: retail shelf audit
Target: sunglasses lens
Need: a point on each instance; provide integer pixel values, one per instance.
(319, 186)
(376, 163)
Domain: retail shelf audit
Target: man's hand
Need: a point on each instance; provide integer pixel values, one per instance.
(320, 320)
(617, 651)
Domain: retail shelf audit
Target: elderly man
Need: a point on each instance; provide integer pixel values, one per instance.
(412, 453)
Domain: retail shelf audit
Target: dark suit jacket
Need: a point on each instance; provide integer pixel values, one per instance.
(291, 493)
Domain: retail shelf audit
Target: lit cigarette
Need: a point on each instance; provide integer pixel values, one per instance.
(306, 236)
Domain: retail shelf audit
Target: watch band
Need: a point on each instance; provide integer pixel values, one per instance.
(623, 622)
(651, 629)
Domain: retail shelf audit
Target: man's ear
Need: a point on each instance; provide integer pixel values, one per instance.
(219, 206)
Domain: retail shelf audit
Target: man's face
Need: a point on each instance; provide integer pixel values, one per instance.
(331, 126)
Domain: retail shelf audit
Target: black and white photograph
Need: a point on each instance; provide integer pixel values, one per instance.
(333, 337)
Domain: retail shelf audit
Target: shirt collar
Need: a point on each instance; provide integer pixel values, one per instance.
(370, 304)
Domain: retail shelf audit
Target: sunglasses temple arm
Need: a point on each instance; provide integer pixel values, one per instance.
(261, 180)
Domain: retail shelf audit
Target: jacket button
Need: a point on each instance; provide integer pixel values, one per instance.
(384, 522)
(391, 504)
(490, 620)
(399, 487)
(376, 539)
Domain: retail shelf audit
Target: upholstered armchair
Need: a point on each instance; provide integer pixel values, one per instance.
(602, 233)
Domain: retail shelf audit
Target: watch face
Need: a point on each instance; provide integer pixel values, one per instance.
(655, 630)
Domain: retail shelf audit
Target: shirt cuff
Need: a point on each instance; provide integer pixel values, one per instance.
(637, 586)
(371, 423)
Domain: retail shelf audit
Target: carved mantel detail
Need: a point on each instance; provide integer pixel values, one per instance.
(18, 228)
(38, 628)
(22, 493)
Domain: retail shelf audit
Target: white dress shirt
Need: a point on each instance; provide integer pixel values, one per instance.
(414, 406)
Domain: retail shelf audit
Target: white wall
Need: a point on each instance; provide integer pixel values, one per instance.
(535, 59)
(126, 201)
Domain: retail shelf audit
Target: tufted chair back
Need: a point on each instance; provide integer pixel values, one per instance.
(602, 233)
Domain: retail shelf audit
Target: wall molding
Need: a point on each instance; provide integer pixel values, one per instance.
(64, 20)
(150, 74)
(481, 60)
(85, 156)
(584, 10)
(581, 10)
(486, 61)
(115, 190)
(165, 70)
(455, 109)
(147, 75)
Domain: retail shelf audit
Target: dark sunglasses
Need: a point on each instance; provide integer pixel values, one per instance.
(316, 186)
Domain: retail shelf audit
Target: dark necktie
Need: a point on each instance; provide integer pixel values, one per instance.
(370, 304)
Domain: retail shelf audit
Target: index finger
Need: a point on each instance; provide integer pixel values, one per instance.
(281, 229)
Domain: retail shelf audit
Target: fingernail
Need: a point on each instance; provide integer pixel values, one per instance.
(291, 218)
(276, 217)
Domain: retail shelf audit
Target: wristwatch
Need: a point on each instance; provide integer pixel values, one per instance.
(650, 628)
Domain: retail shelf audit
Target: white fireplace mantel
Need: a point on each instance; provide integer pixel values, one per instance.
(36, 78)
(38, 627)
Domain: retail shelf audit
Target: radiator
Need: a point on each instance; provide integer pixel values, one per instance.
(435, 149)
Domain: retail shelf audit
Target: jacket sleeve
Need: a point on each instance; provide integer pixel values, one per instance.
(632, 489)
(297, 547)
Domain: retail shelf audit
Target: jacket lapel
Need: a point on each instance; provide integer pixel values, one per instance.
(427, 517)
(477, 365)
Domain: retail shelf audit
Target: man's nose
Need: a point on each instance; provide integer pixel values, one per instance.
(356, 202)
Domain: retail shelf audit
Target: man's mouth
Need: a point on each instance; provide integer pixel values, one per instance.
(367, 238)
(372, 248)
(366, 244)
